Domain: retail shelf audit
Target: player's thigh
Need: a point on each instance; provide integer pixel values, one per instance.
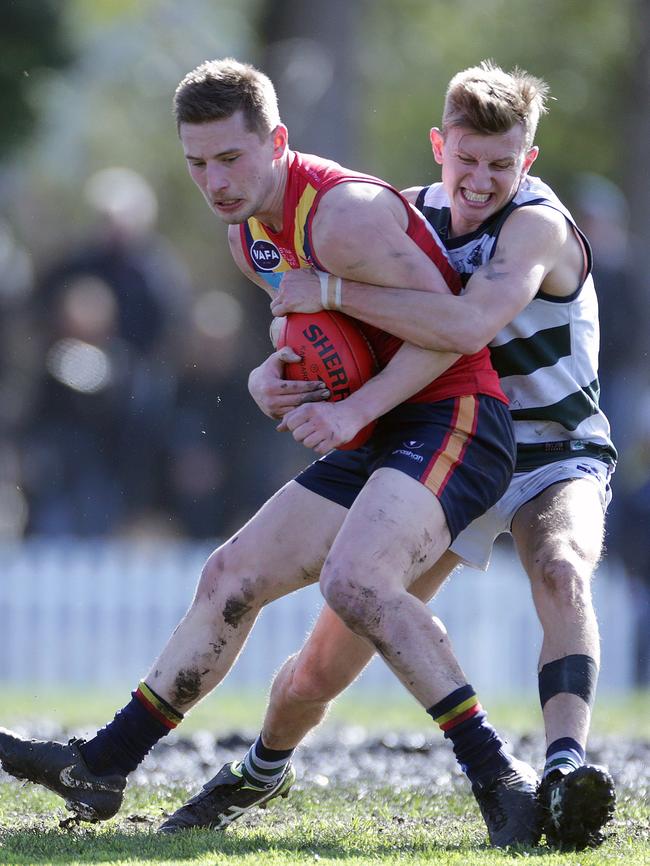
(395, 532)
(565, 521)
(283, 546)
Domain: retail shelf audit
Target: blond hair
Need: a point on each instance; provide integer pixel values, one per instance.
(217, 89)
(489, 100)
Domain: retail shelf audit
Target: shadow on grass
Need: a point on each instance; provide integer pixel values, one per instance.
(32, 847)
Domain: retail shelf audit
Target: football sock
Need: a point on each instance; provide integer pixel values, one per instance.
(563, 755)
(122, 745)
(478, 748)
(262, 767)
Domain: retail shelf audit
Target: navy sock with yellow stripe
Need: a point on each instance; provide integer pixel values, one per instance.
(123, 744)
(478, 748)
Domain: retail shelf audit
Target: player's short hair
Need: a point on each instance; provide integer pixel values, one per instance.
(217, 89)
(489, 100)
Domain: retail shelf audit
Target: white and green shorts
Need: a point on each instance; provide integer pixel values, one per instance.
(474, 544)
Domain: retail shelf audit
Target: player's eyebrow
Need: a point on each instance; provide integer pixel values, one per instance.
(219, 155)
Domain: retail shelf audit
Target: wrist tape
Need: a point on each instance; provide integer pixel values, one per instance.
(330, 291)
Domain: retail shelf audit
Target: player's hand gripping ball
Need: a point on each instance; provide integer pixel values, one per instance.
(333, 349)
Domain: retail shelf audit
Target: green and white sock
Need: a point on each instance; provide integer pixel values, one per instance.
(262, 767)
(564, 756)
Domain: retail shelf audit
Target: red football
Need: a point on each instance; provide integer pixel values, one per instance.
(333, 349)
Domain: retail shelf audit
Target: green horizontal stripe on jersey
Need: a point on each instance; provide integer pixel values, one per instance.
(569, 412)
(524, 355)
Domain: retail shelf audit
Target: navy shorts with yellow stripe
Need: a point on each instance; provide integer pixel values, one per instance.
(461, 449)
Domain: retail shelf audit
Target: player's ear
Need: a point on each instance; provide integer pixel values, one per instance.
(437, 142)
(280, 140)
(529, 159)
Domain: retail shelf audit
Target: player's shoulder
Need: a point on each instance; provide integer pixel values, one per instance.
(411, 193)
(537, 222)
(349, 205)
(360, 189)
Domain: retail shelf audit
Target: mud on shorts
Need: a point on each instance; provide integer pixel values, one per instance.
(461, 449)
(474, 544)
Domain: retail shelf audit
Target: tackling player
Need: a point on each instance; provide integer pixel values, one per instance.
(529, 295)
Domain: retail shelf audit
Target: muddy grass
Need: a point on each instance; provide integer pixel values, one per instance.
(350, 756)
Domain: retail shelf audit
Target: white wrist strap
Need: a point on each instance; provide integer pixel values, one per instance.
(330, 291)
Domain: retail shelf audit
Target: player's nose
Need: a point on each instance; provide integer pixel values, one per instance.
(481, 176)
(216, 179)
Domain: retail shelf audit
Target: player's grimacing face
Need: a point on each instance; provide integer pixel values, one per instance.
(232, 166)
(481, 173)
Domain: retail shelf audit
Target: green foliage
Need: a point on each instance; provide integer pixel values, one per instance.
(111, 105)
(412, 49)
(32, 41)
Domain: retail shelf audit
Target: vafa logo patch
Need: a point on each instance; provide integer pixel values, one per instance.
(265, 255)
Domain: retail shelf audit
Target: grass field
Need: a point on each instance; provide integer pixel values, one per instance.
(78, 710)
(343, 825)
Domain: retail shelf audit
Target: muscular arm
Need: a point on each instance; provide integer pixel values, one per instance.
(536, 246)
(359, 233)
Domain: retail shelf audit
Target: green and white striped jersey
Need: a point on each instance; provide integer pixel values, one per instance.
(547, 357)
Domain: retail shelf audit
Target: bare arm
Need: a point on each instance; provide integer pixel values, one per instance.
(536, 246)
(360, 231)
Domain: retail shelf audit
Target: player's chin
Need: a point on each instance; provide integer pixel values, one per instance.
(231, 220)
(232, 216)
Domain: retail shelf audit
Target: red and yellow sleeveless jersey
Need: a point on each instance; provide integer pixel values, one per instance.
(271, 253)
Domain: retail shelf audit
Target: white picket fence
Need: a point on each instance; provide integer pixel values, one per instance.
(99, 612)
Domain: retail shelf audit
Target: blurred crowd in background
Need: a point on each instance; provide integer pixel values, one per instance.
(124, 355)
(124, 390)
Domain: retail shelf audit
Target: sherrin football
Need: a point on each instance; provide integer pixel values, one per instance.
(333, 349)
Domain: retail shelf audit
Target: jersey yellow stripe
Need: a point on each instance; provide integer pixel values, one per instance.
(302, 211)
(257, 230)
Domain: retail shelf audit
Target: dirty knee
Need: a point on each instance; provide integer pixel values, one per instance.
(213, 576)
(359, 607)
(222, 590)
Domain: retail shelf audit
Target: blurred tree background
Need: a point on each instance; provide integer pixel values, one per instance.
(361, 82)
(87, 86)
